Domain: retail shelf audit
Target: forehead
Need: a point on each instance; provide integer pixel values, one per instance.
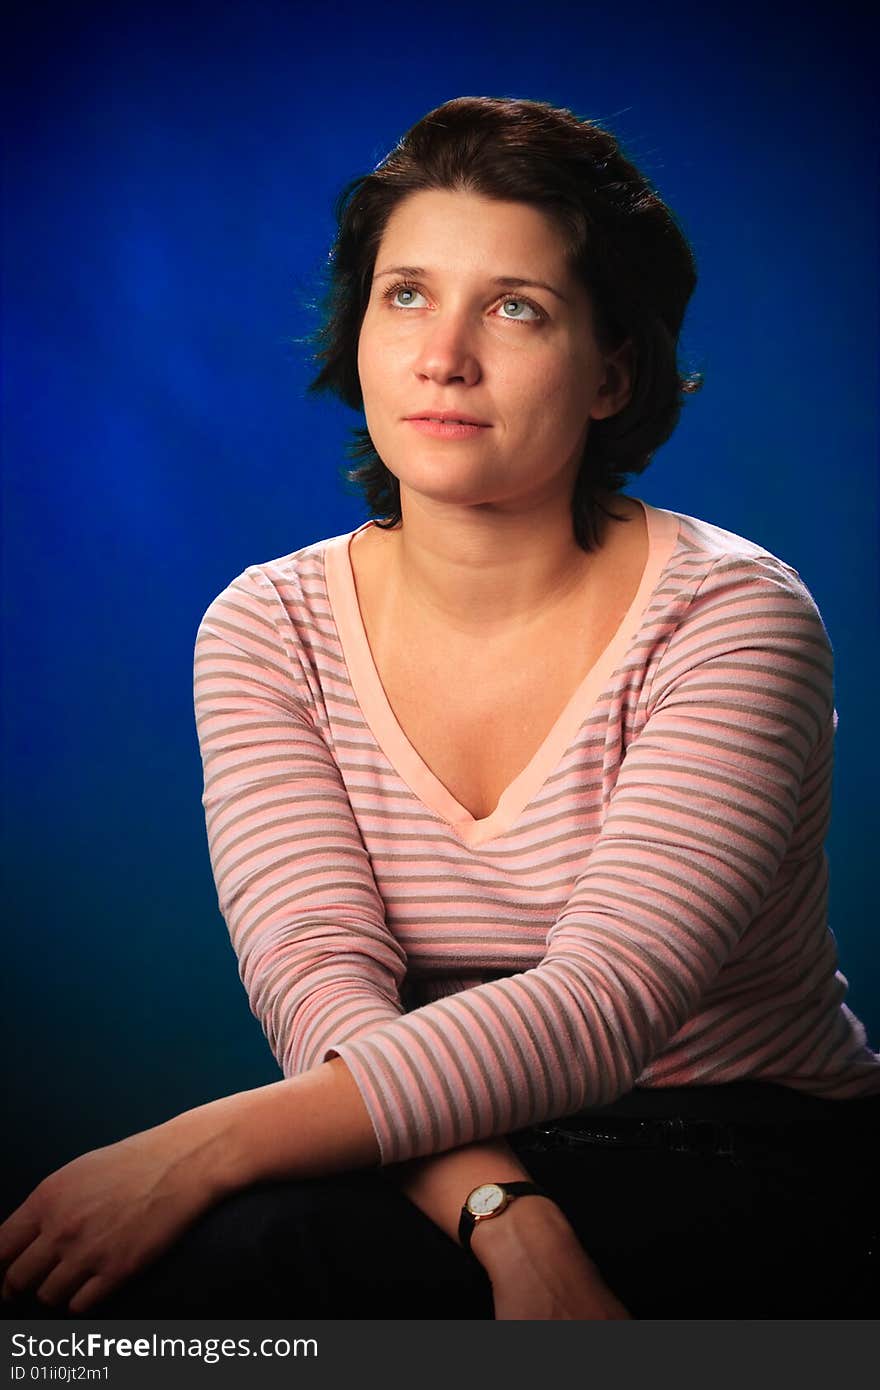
(440, 228)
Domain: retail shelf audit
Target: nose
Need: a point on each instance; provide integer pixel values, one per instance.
(447, 352)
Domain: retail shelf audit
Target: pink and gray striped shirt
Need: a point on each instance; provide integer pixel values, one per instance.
(647, 904)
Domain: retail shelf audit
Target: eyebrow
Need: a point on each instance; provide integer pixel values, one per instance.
(513, 282)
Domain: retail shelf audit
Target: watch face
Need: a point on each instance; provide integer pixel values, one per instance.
(486, 1199)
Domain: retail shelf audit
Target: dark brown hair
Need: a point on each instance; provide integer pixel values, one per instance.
(622, 242)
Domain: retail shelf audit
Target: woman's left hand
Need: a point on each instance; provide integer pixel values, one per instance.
(93, 1223)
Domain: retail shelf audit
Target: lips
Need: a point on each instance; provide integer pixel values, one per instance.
(448, 417)
(451, 427)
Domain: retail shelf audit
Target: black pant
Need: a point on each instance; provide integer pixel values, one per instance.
(741, 1201)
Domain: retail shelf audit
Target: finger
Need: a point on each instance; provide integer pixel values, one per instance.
(63, 1282)
(93, 1291)
(31, 1267)
(17, 1232)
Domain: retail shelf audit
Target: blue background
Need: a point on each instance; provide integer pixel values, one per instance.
(169, 190)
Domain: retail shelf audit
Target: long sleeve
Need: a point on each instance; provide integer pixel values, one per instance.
(294, 881)
(701, 814)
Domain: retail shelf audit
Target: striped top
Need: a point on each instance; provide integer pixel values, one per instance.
(647, 904)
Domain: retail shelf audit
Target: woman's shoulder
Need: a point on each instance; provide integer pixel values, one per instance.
(705, 543)
(274, 616)
(709, 561)
(292, 584)
(733, 604)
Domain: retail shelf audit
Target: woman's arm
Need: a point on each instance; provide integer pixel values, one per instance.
(439, 1185)
(533, 1258)
(319, 1124)
(95, 1222)
(294, 881)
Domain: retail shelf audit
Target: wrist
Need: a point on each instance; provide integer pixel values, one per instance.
(525, 1227)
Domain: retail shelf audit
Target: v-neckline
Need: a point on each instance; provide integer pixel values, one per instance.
(370, 694)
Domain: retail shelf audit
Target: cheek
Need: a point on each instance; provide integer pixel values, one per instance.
(380, 396)
(377, 358)
(551, 391)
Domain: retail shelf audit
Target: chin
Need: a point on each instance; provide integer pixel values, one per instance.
(459, 484)
(437, 478)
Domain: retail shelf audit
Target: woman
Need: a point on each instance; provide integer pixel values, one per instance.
(516, 799)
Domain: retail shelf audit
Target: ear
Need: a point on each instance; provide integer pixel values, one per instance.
(617, 387)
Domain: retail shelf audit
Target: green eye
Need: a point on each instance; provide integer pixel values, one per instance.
(525, 309)
(393, 291)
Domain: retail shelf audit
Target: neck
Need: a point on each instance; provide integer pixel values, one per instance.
(484, 571)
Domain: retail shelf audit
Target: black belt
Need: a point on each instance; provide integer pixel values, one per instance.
(672, 1135)
(737, 1120)
(733, 1140)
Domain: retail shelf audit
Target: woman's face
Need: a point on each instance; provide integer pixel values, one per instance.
(473, 312)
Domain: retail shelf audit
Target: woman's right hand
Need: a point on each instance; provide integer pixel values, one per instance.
(90, 1225)
(538, 1268)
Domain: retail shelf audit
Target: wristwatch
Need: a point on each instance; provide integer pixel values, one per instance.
(488, 1200)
